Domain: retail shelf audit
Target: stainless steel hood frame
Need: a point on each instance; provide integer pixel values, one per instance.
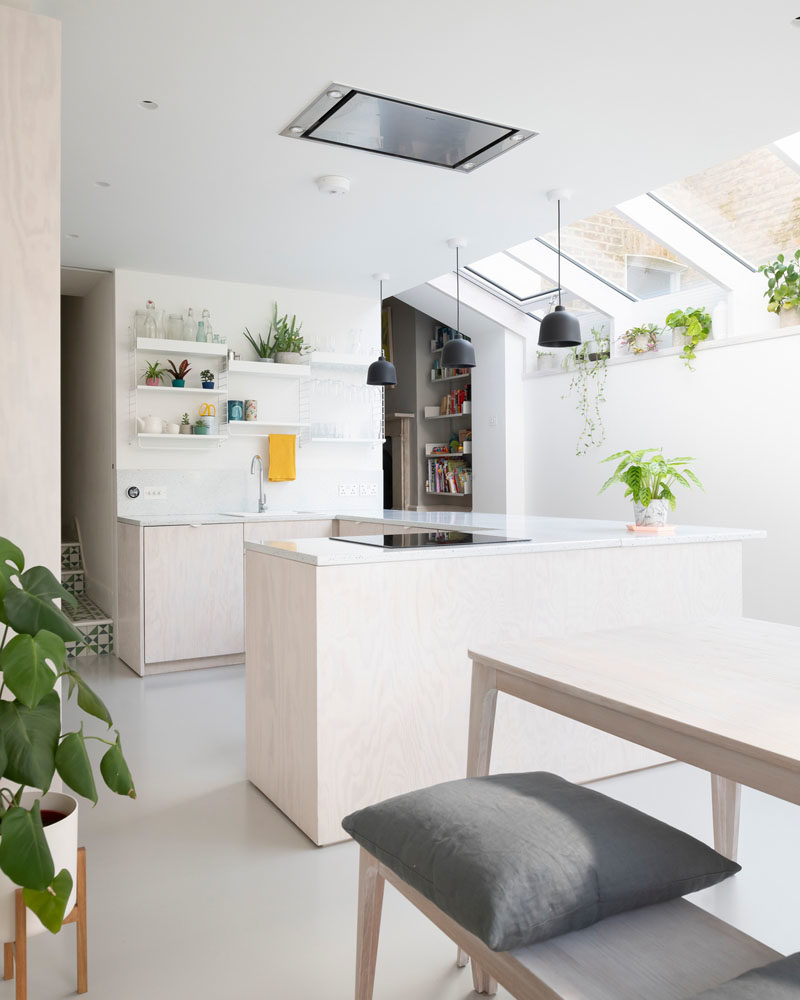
(357, 119)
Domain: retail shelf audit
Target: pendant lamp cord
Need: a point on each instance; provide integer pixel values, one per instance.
(380, 314)
(458, 297)
(559, 250)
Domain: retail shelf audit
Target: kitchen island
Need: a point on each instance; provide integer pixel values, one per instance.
(357, 678)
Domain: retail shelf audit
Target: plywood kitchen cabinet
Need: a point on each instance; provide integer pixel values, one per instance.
(181, 596)
(265, 531)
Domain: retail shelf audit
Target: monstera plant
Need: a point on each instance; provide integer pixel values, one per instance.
(32, 747)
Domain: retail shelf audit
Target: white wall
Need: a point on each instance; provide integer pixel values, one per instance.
(320, 467)
(87, 380)
(30, 126)
(738, 413)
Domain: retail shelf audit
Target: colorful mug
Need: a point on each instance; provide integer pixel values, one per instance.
(251, 409)
(235, 409)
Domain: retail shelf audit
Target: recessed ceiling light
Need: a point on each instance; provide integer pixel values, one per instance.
(296, 130)
(72, 236)
(102, 184)
(333, 94)
(469, 166)
(516, 138)
(148, 105)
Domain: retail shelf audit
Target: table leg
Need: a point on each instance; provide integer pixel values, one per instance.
(725, 804)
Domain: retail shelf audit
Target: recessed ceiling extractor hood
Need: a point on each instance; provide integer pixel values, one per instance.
(344, 116)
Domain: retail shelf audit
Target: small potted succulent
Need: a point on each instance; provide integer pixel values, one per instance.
(783, 288)
(264, 348)
(186, 426)
(546, 361)
(178, 375)
(288, 346)
(200, 427)
(648, 481)
(641, 339)
(154, 373)
(207, 378)
(689, 328)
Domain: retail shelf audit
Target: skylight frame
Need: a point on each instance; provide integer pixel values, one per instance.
(321, 109)
(702, 232)
(501, 291)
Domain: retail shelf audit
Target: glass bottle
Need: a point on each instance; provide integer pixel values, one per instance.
(189, 325)
(206, 321)
(150, 325)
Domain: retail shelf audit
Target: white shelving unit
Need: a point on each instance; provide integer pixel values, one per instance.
(444, 385)
(260, 428)
(449, 378)
(327, 360)
(448, 416)
(329, 440)
(201, 355)
(266, 370)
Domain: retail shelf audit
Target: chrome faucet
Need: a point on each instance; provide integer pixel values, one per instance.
(262, 499)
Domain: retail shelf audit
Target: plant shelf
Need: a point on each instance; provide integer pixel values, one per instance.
(181, 438)
(331, 360)
(258, 428)
(268, 370)
(177, 388)
(162, 346)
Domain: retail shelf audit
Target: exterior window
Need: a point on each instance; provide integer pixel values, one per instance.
(510, 276)
(750, 204)
(626, 256)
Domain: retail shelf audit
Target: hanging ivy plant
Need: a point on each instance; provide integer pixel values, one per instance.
(587, 365)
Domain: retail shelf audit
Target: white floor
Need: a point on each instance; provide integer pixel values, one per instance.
(202, 889)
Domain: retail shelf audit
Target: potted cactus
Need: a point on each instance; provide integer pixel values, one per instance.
(288, 344)
(178, 375)
(38, 828)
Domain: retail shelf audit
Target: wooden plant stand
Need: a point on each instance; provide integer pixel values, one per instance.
(18, 949)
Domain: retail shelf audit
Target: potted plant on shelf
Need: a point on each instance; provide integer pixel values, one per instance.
(648, 481)
(546, 361)
(38, 828)
(587, 365)
(264, 348)
(178, 375)
(641, 339)
(207, 378)
(186, 426)
(154, 373)
(689, 328)
(289, 346)
(783, 288)
(200, 427)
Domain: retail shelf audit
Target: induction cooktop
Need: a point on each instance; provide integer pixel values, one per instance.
(427, 539)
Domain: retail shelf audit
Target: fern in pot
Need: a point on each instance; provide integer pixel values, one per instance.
(649, 479)
(39, 828)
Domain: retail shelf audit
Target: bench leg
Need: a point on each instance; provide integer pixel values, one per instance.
(462, 959)
(81, 929)
(8, 960)
(370, 904)
(725, 803)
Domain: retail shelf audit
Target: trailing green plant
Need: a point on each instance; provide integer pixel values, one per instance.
(588, 369)
(287, 337)
(206, 375)
(650, 478)
(263, 348)
(698, 328)
(181, 371)
(641, 339)
(783, 283)
(154, 370)
(185, 419)
(32, 746)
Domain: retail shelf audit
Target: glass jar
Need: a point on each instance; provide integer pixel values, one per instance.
(206, 321)
(189, 325)
(175, 326)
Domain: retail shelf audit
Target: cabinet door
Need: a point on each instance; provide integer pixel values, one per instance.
(193, 591)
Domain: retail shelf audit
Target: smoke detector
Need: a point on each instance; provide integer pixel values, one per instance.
(333, 184)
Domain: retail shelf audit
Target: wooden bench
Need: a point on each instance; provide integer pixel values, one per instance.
(723, 695)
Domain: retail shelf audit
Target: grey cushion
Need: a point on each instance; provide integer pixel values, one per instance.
(519, 858)
(777, 981)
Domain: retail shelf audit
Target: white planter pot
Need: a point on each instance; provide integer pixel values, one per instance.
(548, 363)
(654, 515)
(62, 839)
(679, 338)
(266, 361)
(789, 317)
(289, 358)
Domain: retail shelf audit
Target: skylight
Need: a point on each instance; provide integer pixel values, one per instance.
(344, 116)
(510, 276)
(750, 204)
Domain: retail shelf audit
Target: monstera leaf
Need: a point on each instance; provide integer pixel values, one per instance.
(30, 608)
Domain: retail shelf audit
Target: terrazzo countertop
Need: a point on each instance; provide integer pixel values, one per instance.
(537, 534)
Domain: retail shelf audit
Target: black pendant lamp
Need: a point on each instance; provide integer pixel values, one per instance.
(381, 372)
(458, 353)
(559, 328)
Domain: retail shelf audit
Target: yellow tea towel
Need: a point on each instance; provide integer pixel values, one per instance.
(281, 458)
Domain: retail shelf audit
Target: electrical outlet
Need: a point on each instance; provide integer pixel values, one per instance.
(372, 489)
(348, 489)
(154, 493)
(493, 421)
(363, 489)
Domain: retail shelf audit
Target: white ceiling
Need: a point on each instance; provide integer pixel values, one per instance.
(627, 95)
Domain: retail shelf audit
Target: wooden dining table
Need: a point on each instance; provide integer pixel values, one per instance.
(721, 694)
